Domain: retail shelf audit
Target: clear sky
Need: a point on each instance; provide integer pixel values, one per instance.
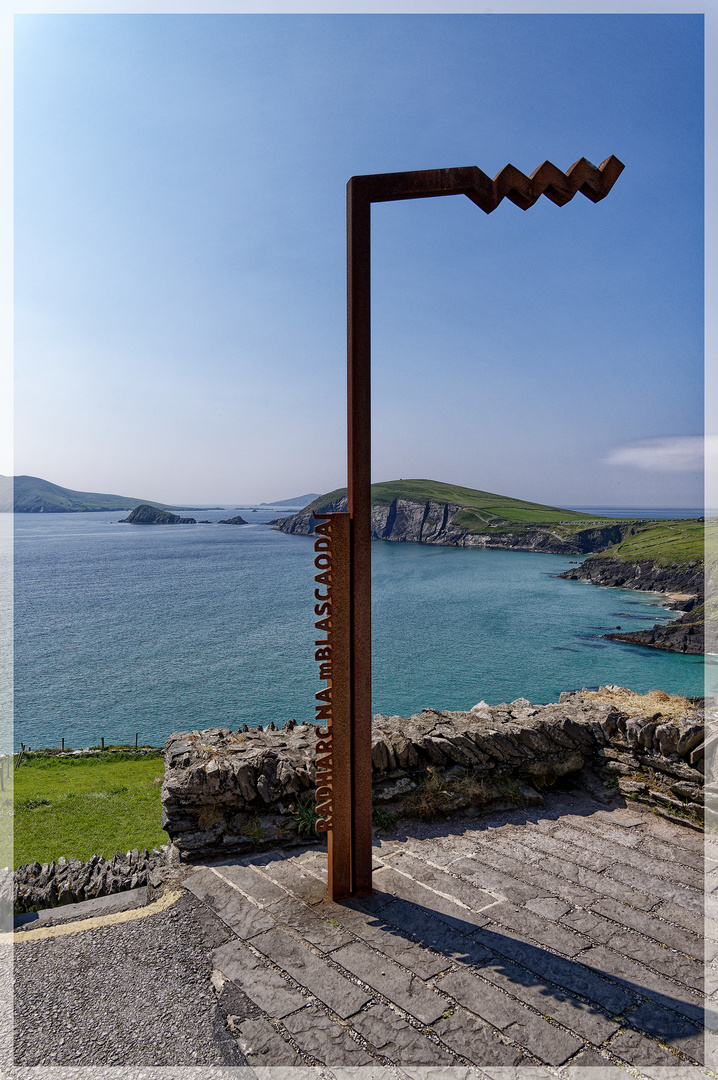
(180, 254)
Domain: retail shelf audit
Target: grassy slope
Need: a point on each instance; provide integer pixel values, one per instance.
(30, 492)
(481, 507)
(82, 806)
(669, 543)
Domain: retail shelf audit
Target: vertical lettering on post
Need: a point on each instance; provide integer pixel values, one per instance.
(323, 656)
(332, 702)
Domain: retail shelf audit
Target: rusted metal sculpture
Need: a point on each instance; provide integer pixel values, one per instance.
(343, 557)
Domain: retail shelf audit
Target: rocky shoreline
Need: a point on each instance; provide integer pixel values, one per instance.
(411, 521)
(683, 584)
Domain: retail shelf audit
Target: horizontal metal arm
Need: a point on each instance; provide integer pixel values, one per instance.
(593, 182)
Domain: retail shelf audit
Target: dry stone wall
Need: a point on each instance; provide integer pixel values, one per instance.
(233, 792)
(68, 881)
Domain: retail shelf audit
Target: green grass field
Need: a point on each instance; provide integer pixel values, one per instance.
(82, 806)
(669, 543)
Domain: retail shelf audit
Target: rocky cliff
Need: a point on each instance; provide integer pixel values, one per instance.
(440, 523)
(685, 634)
(647, 576)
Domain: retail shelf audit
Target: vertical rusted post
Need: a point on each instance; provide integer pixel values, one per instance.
(350, 844)
(359, 507)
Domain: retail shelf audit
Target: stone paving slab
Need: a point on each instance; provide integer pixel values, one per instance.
(261, 1043)
(297, 879)
(584, 1020)
(476, 1040)
(502, 1011)
(240, 914)
(652, 927)
(328, 1042)
(393, 883)
(395, 1039)
(262, 984)
(392, 982)
(474, 897)
(309, 970)
(537, 929)
(654, 887)
(372, 930)
(538, 944)
(318, 931)
(647, 861)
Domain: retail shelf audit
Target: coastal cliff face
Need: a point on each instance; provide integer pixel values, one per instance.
(435, 523)
(646, 576)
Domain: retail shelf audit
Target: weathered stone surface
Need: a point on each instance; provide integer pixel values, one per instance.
(309, 970)
(234, 909)
(217, 782)
(262, 984)
(263, 1046)
(396, 946)
(395, 983)
(475, 1040)
(323, 1039)
(396, 1040)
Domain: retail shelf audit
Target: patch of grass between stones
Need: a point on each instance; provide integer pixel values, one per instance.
(438, 794)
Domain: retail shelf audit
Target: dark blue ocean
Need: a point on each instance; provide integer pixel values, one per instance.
(123, 630)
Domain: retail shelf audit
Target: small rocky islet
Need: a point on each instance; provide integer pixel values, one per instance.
(150, 515)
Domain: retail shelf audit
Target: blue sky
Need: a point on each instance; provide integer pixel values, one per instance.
(180, 254)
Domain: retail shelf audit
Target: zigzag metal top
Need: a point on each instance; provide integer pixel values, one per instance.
(595, 183)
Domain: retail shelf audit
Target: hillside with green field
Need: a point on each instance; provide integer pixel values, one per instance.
(482, 506)
(668, 543)
(431, 512)
(32, 495)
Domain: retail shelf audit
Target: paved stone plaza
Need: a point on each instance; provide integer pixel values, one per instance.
(565, 940)
(560, 941)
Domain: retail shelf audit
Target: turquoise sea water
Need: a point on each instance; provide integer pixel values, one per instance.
(123, 629)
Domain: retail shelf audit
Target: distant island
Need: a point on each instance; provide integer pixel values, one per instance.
(32, 495)
(150, 515)
(664, 556)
